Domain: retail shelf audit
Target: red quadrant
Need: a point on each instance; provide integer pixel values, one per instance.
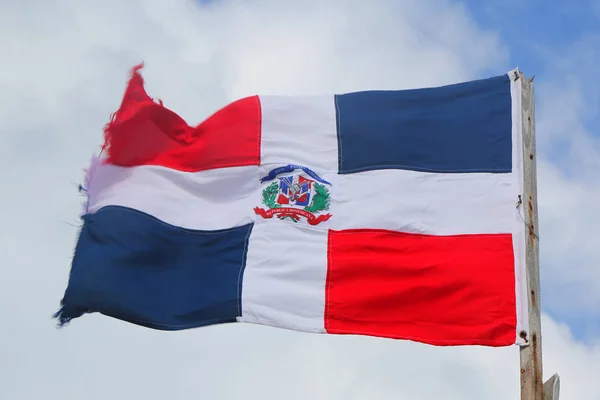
(440, 290)
(143, 132)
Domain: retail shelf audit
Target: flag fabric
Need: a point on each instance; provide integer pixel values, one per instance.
(387, 213)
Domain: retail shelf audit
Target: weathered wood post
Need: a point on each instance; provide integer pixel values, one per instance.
(532, 384)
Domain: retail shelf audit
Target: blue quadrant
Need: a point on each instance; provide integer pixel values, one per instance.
(465, 127)
(133, 267)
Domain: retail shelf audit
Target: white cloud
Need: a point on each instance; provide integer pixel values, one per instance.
(63, 72)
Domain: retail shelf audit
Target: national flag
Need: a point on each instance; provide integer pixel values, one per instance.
(388, 213)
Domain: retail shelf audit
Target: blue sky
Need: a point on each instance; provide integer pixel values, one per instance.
(542, 36)
(525, 25)
(65, 63)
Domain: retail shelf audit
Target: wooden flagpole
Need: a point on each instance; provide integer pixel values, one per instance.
(532, 384)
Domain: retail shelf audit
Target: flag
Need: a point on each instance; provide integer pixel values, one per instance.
(385, 213)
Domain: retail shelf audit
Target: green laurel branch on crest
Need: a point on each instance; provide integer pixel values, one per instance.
(270, 194)
(320, 201)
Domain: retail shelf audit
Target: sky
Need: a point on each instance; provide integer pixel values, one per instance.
(64, 67)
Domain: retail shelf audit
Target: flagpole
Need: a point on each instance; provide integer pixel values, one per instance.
(532, 384)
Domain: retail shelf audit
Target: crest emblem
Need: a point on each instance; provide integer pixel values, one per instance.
(295, 195)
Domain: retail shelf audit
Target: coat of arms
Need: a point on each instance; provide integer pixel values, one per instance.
(295, 196)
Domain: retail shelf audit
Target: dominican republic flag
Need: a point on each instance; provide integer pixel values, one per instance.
(383, 213)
